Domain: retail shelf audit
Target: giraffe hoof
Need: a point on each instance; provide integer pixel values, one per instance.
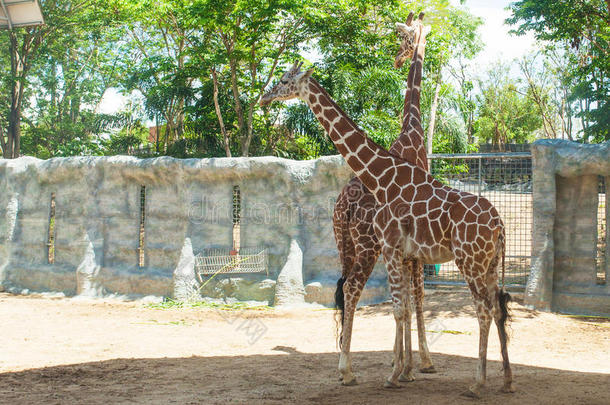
(406, 377)
(427, 370)
(508, 388)
(391, 385)
(472, 392)
(350, 383)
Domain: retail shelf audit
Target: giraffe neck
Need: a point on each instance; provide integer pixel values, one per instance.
(410, 144)
(370, 162)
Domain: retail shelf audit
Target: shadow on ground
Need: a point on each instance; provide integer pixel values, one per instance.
(288, 377)
(450, 304)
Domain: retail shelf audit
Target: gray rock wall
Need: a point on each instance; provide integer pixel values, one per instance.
(188, 208)
(565, 230)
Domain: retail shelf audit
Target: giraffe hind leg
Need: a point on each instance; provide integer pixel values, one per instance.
(352, 290)
(398, 289)
(484, 308)
(417, 279)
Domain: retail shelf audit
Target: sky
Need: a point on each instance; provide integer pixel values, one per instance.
(499, 44)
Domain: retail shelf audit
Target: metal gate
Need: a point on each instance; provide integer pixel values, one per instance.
(505, 179)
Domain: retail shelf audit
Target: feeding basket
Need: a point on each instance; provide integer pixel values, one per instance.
(222, 261)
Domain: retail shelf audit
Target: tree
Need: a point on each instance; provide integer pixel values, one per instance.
(243, 44)
(543, 73)
(505, 115)
(581, 28)
(156, 62)
(29, 49)
(456, 38)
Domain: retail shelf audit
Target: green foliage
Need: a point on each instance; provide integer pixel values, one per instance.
(450, 136)
(236, 306)
(176, 52)
(505, 115)
(582, 30)
(126, 139)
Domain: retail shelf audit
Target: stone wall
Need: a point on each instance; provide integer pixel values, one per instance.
(188, 208)
(565, 230)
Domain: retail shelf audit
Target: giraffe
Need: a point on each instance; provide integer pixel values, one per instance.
(419, 218)
(354, 210)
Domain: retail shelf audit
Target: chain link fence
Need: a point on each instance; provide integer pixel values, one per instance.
(505, 179)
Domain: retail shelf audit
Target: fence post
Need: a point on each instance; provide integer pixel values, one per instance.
(480, 179)
(607, 252)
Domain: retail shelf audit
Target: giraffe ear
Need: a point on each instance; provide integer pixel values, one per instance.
(426, 30)
(308, 73)
(400, 27)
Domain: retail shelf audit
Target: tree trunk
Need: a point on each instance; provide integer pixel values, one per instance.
(223, 130)
(433, 108)
(239, 111)
(13, 144)
(2, 141)
(245, 145)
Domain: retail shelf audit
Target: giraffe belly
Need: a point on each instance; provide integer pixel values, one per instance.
(435, 254)
(439, 256)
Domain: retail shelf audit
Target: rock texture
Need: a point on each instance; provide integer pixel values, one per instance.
(289, 289)
(564, 242)
(188, 202)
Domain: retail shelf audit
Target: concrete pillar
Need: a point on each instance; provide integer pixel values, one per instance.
(575, 233)
(539, 288)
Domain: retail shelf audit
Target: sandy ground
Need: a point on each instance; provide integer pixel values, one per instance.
(71, 351)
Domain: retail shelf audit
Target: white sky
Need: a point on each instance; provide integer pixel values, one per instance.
(499, 45)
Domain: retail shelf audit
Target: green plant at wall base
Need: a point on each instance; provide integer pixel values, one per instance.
(236, 306)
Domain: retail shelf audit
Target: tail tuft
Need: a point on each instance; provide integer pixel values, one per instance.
(503, 299)
(340, 306)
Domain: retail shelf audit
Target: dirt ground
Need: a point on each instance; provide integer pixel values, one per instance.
(74, 351)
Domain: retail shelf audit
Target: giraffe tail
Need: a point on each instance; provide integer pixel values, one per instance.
(503, 296)
(340, 307)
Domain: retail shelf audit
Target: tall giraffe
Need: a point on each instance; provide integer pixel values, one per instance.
(419, 218)
(354, 211)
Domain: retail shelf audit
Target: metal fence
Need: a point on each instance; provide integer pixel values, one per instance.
(505, 179)
(602, 232)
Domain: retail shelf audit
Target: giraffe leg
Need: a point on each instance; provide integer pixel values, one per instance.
(407, 371)
(352, 294)
(426, 365)
(483, 305)
(500, 301)
(397, 290)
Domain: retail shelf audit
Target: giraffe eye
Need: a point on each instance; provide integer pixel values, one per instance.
(284, 81)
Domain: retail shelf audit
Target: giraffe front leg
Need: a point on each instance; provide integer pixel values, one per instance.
(393, 379)
(407, 372)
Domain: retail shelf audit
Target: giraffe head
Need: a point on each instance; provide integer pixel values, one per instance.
(289, 85)
(407, 33)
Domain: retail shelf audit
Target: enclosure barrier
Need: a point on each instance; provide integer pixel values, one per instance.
(505, 179)
(570, 265)
(122, 225)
